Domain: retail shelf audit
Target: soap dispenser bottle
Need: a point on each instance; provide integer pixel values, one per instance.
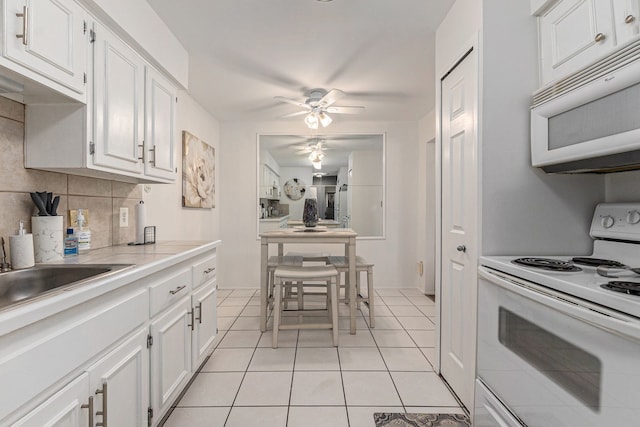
(83, 233)
(21, 248)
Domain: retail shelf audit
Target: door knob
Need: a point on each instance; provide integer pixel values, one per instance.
(461, 248)
(599, 37)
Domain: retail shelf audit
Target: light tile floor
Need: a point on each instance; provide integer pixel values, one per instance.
(306, 382)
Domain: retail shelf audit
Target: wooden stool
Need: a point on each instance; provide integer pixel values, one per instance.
(273, 263)
(341, 263)
(325, 273)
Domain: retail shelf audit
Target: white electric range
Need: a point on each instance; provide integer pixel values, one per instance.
(559, 336)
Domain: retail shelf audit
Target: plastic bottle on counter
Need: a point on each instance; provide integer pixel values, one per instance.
(70, 243)
(83, 233)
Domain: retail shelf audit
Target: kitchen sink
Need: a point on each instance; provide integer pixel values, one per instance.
(23, 285)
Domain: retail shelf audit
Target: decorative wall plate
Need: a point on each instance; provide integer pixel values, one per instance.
(294, 189)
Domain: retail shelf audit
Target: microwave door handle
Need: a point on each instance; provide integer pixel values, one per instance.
(581, 310)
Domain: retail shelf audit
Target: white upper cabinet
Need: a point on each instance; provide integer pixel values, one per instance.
(125, 132)
(573, 34)
(118, 81)
(626, 18)
(160, 126)
(49, 38)
(576, 33)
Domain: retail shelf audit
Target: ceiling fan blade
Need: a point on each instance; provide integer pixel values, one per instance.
(345, 110)
(292, 101)
(297, 113)
(332, 96)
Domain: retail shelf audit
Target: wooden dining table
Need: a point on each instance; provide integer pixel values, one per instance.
(315, 236)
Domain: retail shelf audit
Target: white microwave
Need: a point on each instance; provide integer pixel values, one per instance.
(590, 121)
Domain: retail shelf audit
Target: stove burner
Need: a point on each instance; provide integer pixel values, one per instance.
(547, 264)
(595, 262)
(631, 288)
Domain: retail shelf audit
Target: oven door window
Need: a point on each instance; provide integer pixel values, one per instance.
(570, 367)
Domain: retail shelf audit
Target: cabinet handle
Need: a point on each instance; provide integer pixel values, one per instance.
(104, 406)
(461, 248)
(153, 161)
(629, 19)
(89, 406)
(190, 313)
(25, 21)
(178, 289)
(209, 270)
(141, 147)
(599, 37)
(199, 312)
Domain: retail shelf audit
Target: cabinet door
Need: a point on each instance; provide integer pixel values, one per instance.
(573, 34)
(118, 80)
(626, 18)
(64, 408)
(120, 384)
(160, 132)
(204, 304)
(48, 37)
(170, 355)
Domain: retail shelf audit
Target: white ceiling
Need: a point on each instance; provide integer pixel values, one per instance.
(245, 52)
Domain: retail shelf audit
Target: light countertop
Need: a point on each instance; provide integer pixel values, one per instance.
(145, 260)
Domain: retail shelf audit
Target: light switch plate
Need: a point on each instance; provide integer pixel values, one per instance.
(124, 217)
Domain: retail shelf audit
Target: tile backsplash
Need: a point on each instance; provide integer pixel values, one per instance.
(103, 198)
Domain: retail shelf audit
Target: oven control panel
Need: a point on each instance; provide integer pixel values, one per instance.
(620, 221)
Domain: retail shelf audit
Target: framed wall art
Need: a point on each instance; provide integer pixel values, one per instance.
(198, 172)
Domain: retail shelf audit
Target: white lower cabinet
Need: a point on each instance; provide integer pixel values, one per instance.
(205, 326)
(118, 360)
(170, 355)
(112, 392)
(69, 407)
(181, 339)
(120, 384)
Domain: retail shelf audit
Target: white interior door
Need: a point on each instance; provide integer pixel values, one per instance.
(459, 228)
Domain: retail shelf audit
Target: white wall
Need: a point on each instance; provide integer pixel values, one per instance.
(524, 210)
(426, 193)
(164, 201)
(623, 187)
(395, 257)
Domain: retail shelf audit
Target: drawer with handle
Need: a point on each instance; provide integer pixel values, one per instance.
(165, 292)
(203, 271)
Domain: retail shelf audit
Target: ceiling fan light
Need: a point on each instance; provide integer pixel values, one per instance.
(325, 120)
(311, 120)
(317, 164)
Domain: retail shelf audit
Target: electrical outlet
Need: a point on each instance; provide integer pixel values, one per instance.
(124, 217)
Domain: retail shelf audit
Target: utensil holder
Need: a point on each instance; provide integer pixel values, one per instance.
(48, 244)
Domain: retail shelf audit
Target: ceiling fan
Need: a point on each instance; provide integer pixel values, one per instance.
(318, 104)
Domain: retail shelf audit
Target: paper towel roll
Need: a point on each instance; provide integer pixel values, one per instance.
(141, 222)
(21, 248)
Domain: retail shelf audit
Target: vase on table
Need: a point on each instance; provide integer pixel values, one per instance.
(310, 213)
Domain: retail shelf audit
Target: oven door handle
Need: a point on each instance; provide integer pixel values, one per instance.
(600, 317)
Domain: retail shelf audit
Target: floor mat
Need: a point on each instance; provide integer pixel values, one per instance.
(385, 419)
